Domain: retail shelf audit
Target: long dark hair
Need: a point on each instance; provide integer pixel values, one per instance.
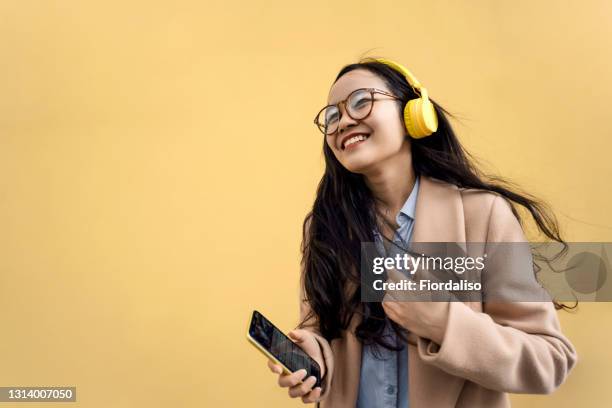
(344, 215)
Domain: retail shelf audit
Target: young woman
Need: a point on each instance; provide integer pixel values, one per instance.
(395, 172)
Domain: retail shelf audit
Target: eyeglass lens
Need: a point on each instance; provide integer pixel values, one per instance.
(358, 106)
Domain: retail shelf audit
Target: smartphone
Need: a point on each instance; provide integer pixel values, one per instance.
(275, 345)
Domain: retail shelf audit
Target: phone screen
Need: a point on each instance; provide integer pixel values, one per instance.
(281, 347)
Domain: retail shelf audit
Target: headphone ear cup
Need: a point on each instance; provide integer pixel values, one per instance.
(410, 121)
(420, 118)
(430, 118)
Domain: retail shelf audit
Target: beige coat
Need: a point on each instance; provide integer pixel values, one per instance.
(517, 348)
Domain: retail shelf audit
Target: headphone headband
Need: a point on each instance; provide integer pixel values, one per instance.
(403, 70)
(419, 114)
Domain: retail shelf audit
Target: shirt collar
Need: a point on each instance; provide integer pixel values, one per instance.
(409, 206)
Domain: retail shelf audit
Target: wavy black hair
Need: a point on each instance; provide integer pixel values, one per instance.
(344, 215)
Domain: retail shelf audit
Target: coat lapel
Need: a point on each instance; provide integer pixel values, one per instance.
(439, 213)
(438, 218)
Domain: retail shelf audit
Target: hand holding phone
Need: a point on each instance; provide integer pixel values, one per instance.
(309, 344)
(298, 363)
(299, 384)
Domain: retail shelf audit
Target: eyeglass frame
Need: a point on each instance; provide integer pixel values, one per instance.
(343, 102)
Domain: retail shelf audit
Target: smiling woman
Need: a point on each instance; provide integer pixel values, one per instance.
(395, 172)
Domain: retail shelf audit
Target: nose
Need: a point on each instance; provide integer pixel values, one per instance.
(345, 120)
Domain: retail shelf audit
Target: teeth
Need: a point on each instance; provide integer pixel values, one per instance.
(355, 139)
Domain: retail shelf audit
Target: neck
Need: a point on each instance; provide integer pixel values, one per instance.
(392, 181)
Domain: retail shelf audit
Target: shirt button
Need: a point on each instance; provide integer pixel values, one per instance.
(390, 389)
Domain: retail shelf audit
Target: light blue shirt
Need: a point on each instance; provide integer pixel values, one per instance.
(383, 382)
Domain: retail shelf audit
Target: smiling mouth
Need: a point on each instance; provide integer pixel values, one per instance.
(354, 141)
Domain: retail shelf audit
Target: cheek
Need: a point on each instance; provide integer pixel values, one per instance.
(330, 142)
(390, 124)
(391, 134)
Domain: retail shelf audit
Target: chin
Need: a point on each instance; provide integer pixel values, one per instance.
(359, 166)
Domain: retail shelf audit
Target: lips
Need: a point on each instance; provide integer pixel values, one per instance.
(350, 136)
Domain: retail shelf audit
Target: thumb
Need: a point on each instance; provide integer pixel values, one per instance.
(296, 335)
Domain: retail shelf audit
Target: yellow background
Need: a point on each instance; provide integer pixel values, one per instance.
(157, 159)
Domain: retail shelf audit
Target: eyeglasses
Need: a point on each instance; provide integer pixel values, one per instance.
(358, 106)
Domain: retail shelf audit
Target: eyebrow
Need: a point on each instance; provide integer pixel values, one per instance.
(361, 87)
(329, 103)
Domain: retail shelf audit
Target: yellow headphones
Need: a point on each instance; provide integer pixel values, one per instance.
(419, 114)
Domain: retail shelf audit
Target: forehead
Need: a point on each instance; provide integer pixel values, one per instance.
(359, 78)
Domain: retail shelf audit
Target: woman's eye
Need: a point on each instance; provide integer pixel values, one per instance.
(361, 102)
(332, 119)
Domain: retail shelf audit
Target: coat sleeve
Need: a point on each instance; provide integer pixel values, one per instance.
(311, 324)
(511, 347)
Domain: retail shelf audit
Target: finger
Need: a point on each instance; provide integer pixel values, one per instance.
(297, 335)
(388, 298)
(389, 311)
(392, 296)
(303, 388)
(312, 396)
(275, 368)
(406, 294)
(293, 379)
